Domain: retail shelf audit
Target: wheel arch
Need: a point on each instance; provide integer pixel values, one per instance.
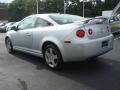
(47, 43)
(6, 38)
(55, 42)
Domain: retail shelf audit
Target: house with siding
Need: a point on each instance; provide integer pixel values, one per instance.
(4, 15)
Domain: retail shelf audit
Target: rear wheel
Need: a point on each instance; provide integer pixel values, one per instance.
(53, 57)
(93, 59)
(9, 45)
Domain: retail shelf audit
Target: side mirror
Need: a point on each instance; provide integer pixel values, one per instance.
(49, 24)
(14, 28)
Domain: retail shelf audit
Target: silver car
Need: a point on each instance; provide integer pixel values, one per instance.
(58, 38)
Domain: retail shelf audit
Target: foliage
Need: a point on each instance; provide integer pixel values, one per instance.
(18, 9)
(3, 5)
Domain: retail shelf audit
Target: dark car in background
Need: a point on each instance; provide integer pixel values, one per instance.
(12, 26)
(3, 26)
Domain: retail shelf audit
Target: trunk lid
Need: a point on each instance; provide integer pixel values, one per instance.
(98, 31)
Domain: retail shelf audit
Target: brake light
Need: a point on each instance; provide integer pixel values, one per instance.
(90, 31)
(80, 33)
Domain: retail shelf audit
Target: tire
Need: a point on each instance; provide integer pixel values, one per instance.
(9, 45)
(53, 57)
(93, 59)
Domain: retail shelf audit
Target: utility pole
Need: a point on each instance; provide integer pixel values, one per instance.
(37, 7)
(64, 7)
(83, 8)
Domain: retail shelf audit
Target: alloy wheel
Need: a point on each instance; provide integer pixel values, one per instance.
(51, 57)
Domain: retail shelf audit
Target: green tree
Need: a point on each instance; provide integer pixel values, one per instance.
(17, 10)
(110, 4)
(3, 5)
(53, 6)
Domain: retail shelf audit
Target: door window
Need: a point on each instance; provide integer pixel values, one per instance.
(42, 23)
(27, 23)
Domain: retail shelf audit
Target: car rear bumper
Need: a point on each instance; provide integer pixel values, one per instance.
(81, 50)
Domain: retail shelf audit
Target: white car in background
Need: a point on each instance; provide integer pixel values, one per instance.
(11, 26)
(8, 24)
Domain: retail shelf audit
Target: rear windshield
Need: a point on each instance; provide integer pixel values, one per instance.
(65, 19)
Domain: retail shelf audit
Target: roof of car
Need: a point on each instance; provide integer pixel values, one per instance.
(47, 14)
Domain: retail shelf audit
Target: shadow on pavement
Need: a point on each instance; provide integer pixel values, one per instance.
(102, 74)
(39, 62)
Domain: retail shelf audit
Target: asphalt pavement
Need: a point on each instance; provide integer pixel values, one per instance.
(20, 71)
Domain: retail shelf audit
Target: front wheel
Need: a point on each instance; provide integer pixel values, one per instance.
(9, 45)
(53, 57)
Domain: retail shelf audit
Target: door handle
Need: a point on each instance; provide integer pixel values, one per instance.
(28, 34)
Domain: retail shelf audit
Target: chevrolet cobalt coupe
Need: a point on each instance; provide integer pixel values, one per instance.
(59, 38)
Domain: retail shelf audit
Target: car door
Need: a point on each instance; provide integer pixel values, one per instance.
(42, 26)
(24, 34)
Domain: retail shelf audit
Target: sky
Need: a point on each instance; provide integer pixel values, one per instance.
(6, 1)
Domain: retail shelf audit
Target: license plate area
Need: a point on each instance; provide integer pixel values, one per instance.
(105, 43)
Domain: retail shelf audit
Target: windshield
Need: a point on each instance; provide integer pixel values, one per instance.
(65, 19)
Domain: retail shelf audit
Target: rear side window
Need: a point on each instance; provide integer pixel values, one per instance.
(65, 19)
(42, 23)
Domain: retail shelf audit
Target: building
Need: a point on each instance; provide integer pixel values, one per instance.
(4, 14)
(107, 13)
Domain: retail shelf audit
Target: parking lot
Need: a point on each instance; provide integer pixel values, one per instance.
(26, 72)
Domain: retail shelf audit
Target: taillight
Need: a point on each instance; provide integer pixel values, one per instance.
(90, 31)
(80, 33)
